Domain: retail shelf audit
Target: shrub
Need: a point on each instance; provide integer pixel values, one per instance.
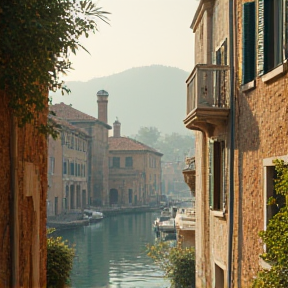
(177, 263)
(59, 261)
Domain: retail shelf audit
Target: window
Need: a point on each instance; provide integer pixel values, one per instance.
(270, 30)
(219, 277)
(64, 168)
(221, 54)
(271, 210)
(72, 142)
(128, 162)
(116, 162)
(216, 175)
(72, 168)
(51, 165)
(130, 195)
(249, 46)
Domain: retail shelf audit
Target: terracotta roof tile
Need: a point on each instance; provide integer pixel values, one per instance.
(128, 144)
(69, 113)
(64, 123)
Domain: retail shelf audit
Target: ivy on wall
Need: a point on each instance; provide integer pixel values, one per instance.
(276, 237)
(36, 40)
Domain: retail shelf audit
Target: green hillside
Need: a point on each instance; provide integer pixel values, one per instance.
(144, 96)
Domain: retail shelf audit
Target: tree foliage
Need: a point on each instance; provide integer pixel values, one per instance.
(177, 263)
(174, 146)
(148, 135)
(59, 261)
(276, 237)
(37, 38)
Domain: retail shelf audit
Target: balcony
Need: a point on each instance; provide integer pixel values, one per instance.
(208, 100)
(189, 174)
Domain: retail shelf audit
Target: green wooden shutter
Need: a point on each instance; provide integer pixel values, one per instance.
(285, 30)
(249, 48)
(211, 174)
(260, 52)
(223, 175)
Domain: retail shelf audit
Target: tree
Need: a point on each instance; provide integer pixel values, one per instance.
(177, 263)
(36, 40)
(174, 146)
(148, 136)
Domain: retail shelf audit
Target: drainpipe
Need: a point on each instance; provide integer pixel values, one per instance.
(14, 223)
(232, 144)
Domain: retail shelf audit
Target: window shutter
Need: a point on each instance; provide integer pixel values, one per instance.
(223, 176)
(249, 48)
(260, 52)
(211, 174)
(285, 30)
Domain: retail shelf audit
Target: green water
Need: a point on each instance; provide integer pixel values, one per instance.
(112, 253)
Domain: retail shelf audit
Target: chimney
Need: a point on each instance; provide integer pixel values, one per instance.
(116, 128)
(102, 100)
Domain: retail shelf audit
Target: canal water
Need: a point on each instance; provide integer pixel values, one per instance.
(111, 254)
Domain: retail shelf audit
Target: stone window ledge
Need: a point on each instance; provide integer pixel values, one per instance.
(278, 71)
(219, 214)
(248, 86)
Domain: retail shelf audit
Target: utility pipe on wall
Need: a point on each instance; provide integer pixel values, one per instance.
(14, 221)
(232, 145)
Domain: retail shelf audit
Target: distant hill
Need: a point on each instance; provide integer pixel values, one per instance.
(144, 96)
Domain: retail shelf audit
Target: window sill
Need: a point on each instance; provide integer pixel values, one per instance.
(278, 71)
(218, 214)
(248, 86)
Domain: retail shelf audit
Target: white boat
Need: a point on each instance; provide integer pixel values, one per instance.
(94, 216)
(167, 226)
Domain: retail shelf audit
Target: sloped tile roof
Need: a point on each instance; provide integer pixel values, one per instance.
(128, 144)
(67, 112)
(64, 123)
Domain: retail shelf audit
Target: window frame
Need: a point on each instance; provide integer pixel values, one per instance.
(129, 162)
(116, 162)
(217, 202)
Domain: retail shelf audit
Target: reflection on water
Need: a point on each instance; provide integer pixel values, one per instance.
(111, 254)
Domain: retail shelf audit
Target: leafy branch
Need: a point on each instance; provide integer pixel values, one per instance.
(37, 38)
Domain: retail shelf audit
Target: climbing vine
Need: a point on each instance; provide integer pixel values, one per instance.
(276, 236)
(37, 38)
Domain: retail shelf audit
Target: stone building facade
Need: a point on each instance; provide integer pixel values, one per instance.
(134, 171)
(238, 109)
(67, 169)
(208, 114)
(97, 150)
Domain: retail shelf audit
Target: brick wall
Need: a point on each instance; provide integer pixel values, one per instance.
(29, 225)
(262, 129)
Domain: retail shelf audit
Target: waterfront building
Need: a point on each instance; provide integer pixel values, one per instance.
(237, 105)
(134, 171)
(96, 169)
(67, 168)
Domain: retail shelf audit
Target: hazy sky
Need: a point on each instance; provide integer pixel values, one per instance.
(142, 33)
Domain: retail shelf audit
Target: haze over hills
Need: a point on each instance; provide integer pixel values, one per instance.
(139, 97)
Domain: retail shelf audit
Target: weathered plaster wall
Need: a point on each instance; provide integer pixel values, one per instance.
(28, 269)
